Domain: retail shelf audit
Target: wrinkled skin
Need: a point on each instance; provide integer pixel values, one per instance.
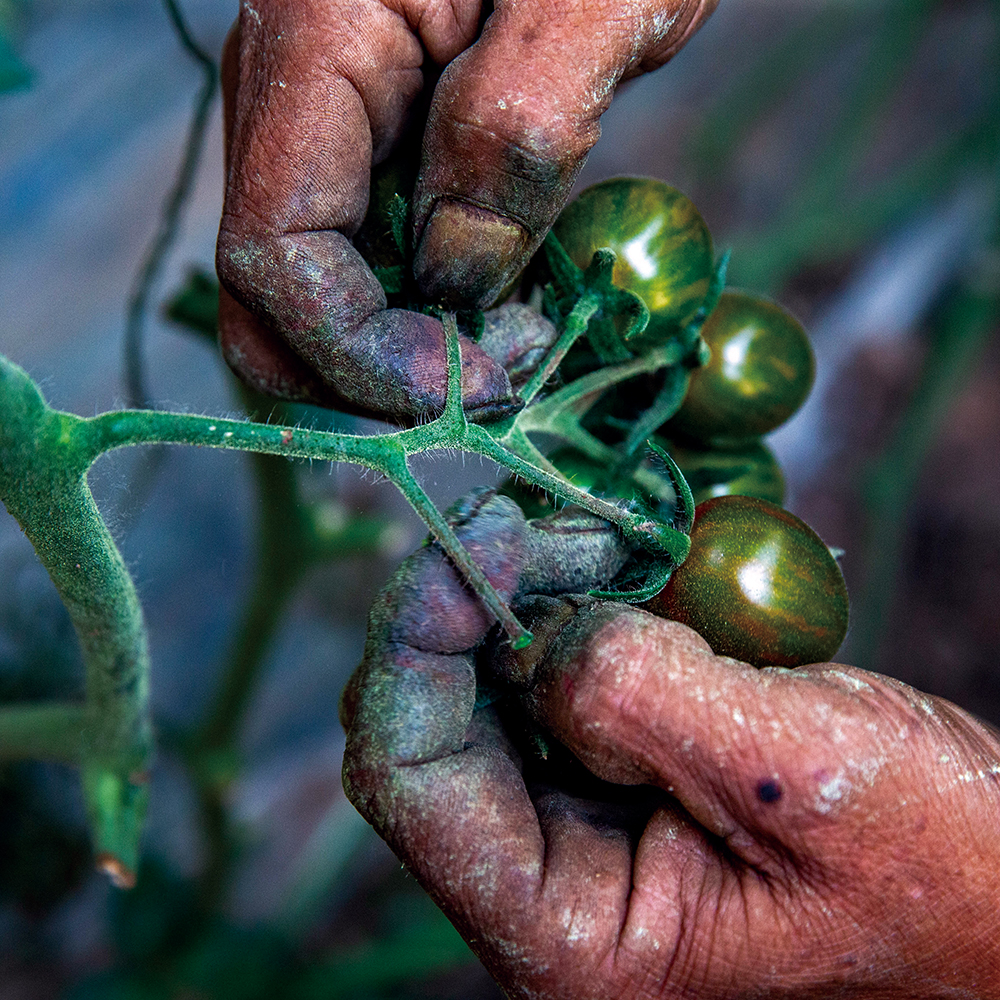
(316, 91)
(823, 832)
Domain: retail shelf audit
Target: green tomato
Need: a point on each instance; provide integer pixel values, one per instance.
(759, 585)
(760, 371)
(664, 247)
(748, 469)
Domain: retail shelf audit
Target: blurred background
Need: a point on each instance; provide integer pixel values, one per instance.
(847, 152)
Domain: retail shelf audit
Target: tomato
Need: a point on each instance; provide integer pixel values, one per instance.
(663, 245)
(748, 469)
(759, 585)
(759, 374)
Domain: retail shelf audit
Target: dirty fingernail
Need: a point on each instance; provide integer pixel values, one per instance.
(467, 255)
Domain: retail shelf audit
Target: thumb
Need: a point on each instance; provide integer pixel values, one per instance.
(787, 766)
(512, 121)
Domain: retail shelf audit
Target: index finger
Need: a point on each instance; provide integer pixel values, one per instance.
(319, 92)
(443, 786)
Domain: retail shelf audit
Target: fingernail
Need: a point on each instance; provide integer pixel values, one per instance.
(467, 255)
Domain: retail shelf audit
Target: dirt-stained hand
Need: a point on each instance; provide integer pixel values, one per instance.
(316, 91)
(717, 831)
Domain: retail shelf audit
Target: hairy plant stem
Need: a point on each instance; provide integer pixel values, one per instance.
(43, 484)
(44, 458)
(575, 326)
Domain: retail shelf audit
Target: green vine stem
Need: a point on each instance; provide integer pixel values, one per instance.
(44, 459)
(574, 327)
(177, 198)
(43, 485)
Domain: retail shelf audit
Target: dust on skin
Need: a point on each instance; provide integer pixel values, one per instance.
(822, 759)
(498, 870)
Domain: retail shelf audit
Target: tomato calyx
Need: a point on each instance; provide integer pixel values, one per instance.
(668, 547)
(570, 284)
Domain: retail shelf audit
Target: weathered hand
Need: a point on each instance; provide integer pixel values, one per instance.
(810, 833)
(316, 91)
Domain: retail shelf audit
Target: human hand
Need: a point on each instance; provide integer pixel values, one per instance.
(316, 91)
(777, 833)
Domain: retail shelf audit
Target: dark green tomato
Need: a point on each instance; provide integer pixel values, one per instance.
(582, 472)
(759, 585)
(759, 374)
(748, 469)
(663, 245)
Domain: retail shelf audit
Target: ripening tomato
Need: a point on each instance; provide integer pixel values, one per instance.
(759, 585)
(664, 247)
(759, 374)
(747, 469)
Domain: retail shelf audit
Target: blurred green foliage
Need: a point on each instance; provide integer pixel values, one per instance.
(169, 947)
(14, 74)
(843, 189)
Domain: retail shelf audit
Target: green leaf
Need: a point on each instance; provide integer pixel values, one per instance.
(399, 216)
(684, 515)
(196, 305)
(390, 278)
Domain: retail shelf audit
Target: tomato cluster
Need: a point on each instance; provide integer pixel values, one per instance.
(758, 584)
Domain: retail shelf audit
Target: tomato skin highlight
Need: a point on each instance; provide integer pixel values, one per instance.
(759, 374)
(759, 585)
(664, 247)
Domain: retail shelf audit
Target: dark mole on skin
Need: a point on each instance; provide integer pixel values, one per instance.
(768, 791)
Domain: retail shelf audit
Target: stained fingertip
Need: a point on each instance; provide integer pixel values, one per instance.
(395, 362)
(572, 551)
(518, 338)
(417, 709)
(427, 604)
(487, 393)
